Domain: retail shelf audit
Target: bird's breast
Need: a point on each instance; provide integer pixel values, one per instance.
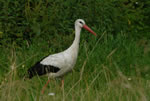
(69, 63)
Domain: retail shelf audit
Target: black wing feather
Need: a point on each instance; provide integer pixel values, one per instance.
(40, 69)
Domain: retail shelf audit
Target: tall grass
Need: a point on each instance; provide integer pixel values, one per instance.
(108, 69)
(114, 66)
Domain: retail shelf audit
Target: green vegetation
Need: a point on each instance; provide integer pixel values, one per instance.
(114, 66)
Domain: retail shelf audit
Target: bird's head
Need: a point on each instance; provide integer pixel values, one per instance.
(81, 24)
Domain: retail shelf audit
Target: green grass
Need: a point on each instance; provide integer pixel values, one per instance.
(109, 68)
(114, 66)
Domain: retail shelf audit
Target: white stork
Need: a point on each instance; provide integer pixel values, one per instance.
(56, 65)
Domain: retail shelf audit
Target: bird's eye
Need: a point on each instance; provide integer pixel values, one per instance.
(81, 22)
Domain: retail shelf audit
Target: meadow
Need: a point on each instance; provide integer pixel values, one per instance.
(114, 66)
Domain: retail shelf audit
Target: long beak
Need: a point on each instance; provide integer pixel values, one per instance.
(89, 29)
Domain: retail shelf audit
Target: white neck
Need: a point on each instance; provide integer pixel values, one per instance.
(77, 35)
(75, 44)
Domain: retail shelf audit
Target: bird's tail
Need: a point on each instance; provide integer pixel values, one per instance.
(27, 75)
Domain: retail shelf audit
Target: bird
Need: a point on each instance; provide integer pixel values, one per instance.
(59, 64)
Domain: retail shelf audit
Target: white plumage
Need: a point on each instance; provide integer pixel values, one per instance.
(65, 61)
(57, 65)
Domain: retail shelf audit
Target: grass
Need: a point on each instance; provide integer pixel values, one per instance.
(114, 66)
(109, 68)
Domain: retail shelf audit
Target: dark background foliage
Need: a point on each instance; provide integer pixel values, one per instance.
(22, 21)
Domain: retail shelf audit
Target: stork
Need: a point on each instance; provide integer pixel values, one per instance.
(57, 65)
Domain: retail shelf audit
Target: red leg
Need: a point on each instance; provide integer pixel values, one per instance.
(62, 87)
(43, 89)
(62, 83)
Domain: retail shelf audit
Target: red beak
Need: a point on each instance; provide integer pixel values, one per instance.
(89, 29)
